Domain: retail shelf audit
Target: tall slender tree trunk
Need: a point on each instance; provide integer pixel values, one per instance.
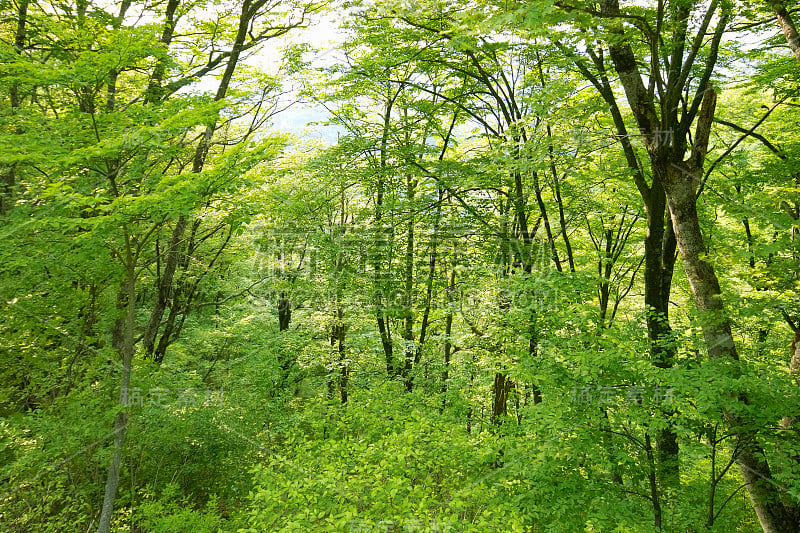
(123, 337)
(524, 258)
(501, 383)
(655, 493)
(381, 237)
(339, 325)
(170, 333)
(551, 241)
(8, 175)
(426, 312)
(164, 285)
(407, 333)
(154, 90)
(448, 332)
(562, 219)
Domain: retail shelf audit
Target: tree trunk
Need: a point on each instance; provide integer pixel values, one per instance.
(500, 390)
(407, 333)
(380, 242)
(123, 337)
(448, 331)
(659, 239)
(284, 311)
(164, 285)
(124, 329)
(787, 26)
(655, 498)
(170, 333)
(8, 176)
(659, 262)
(155, 92)
(344, 369)
(680, 183)
(764, 494)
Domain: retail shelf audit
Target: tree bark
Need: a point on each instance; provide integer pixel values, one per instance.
(659, 262)
(164, 285)
(448, 331)
(284, 311)
(344, 369)
(681, 181)
(655, 497)
(380, 242)
(8, 176)
(664, 136)
(407, 333)
(500, 390)
(786, 23)
(123, 337)
(155, 93)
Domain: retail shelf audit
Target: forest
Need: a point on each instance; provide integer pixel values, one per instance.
(399, 266)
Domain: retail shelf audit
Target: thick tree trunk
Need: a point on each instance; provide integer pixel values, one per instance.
(681, 181)
(659, 262)
(787, 26)
(659, 240)
(663, 135)
(764, 494)
(500, 390)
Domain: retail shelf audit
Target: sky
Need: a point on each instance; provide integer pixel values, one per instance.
(322, 35)
(299, 119)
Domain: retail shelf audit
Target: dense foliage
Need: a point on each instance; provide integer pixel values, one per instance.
(545, 279)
